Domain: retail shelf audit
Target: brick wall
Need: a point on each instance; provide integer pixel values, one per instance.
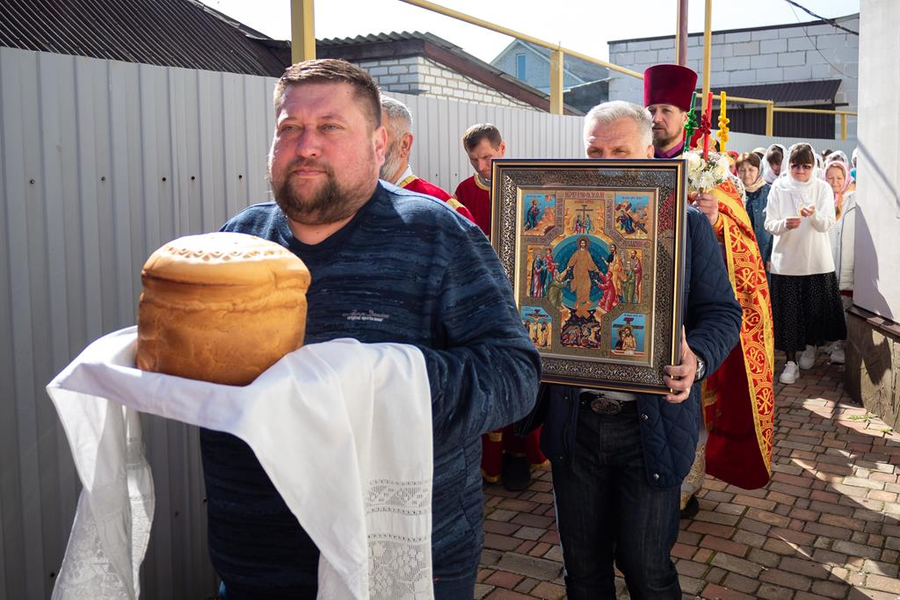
(420, 76)
(780, 55)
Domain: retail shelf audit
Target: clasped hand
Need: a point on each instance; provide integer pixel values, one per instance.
(680, 379)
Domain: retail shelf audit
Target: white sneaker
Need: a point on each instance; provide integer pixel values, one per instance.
(837, 356)
(790, 373)
(808, 358)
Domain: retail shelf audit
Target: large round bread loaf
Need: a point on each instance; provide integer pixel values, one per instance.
(221, 307)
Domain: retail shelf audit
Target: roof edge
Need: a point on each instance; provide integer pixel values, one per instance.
(446, 53)
(505, 51)
(739, 30)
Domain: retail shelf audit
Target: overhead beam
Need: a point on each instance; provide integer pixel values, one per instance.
(448, 12)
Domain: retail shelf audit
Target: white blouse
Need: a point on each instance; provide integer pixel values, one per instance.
(807, 249)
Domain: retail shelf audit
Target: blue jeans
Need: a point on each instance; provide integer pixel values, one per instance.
(457, 588)
(607, 512)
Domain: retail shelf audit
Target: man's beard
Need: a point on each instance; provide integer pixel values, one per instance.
(391, 163)
(662, 139)
(329, 204)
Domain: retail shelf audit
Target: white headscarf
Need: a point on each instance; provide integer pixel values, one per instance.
(843, 166)
(786, 181)
(837, 155)
(768, 174)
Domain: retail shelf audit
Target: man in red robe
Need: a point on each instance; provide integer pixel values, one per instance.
(504, 455)
(397, 120)
(738, 399)
(482, 143)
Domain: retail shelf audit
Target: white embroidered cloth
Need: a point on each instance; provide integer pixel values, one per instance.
(361, 410)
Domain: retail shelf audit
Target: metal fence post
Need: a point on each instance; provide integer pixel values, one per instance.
(556, 82)
(303, 30)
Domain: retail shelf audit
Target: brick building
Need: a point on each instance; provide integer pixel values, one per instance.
(800, 65)
(422, 64)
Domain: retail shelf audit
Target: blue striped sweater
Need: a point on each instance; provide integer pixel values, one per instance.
(405, 269)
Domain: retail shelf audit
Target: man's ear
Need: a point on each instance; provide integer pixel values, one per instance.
(406, 143)
(650, 151)
(379, 139)
(502, 149)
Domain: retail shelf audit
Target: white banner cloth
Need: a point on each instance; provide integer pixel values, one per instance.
(342, 429)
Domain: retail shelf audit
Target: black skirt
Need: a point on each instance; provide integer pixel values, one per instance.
(806, 309)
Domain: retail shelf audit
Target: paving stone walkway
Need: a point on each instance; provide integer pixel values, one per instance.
(826, 526)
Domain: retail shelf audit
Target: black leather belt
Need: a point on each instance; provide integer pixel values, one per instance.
(602, 405)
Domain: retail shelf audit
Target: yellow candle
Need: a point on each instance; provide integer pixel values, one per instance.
(723, 124)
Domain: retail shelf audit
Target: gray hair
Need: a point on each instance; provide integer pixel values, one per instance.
(397, 113)
(606, 113)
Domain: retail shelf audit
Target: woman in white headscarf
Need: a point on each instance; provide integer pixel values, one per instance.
(772, 163)
(820, 163)
(756, 198)
(806, 304)
(837, 175)
(837, 155)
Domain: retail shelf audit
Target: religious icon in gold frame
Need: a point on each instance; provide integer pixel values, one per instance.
(594, 252)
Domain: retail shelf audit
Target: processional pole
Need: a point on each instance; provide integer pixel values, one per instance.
(681, 35)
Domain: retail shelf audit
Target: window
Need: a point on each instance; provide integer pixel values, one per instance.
(520, 66)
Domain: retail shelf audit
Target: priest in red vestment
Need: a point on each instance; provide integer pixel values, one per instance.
(738, 399)
(482, 143)
(505, 456)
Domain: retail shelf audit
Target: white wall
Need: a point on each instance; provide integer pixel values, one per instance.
(876, 283)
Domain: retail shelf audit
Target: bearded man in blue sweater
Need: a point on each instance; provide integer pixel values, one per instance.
(387, 265)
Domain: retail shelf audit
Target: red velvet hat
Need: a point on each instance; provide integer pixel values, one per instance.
(669, 84)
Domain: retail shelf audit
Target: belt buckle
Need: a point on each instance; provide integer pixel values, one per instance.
(606, 406)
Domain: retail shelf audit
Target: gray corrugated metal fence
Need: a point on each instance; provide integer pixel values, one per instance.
(101, 162)
(437, 153)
